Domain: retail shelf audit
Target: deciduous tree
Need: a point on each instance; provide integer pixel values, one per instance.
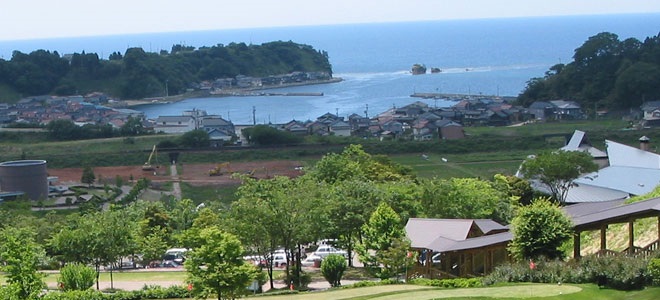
(539, 230)
(379, 233)
(21, 256)
(216, 266)
(558, 169)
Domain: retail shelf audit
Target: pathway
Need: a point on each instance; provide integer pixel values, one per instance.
(176, 186)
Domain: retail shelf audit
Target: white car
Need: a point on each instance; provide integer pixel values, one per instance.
(279, 260)
(324, 250)
(311, 261)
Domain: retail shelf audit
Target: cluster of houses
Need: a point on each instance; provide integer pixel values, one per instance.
(89, 109)
(416, 121)
(247, 82)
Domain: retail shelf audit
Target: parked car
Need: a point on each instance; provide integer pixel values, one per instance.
(279, 260)
(324, 250)
(312, 261)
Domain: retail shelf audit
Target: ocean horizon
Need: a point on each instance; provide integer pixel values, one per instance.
(477, 57)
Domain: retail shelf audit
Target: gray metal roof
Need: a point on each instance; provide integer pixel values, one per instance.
(161, 119)
(452, 234)
(586, 208)
(632, 180)
(579, 142)
(583, 192)
(616, 214)
(479, 242)
(626, 156)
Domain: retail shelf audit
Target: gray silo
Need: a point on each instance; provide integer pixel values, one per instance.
(28, 176)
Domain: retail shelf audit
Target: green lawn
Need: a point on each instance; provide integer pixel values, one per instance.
(518, 291)
(482, 166)
(177, 275)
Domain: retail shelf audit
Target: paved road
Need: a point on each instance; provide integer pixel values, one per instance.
(176, 186)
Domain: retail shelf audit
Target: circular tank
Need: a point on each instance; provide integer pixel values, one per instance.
(28, 176)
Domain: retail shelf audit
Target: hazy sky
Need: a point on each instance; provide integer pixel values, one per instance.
(30, 19)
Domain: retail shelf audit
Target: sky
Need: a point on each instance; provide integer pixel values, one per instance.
(36, 19)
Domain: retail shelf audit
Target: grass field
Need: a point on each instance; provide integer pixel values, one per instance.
(518, 291)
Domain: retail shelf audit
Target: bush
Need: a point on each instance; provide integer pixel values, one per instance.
(305, 278)
(76, 276)
(654, 270)
(366, 283)
(448, 283)
(332, 268)
(147, 292)
(71, 295)
(619, 272)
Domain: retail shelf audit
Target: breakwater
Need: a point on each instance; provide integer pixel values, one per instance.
(458, 97)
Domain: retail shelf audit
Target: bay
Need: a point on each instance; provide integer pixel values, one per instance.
(488, 56)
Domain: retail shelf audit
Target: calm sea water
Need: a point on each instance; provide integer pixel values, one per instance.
(492, 57)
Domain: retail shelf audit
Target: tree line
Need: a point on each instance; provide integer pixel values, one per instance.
(139, 74)
(606, 73)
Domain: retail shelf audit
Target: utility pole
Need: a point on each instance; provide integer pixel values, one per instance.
(254, 118)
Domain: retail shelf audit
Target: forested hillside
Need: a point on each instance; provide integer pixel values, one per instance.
(606, 73)
(139, 74)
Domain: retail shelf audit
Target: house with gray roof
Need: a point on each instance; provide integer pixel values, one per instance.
(473, 247)
(457, 247)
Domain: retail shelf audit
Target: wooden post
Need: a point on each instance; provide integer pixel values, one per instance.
(486, 270)
(576, 245)
(603, 237)
(631, 238)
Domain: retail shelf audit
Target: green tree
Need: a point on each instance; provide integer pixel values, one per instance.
(558, 169)
(293, 213)
(197, 138)
(379, 233)
(397, 258)
(99, 238)
(539, 230)
(332, 268)
(132, 127)
(21, 256)
(467, 198)
(216, 266)
(267, 135)
(353, 163)
(88, 176)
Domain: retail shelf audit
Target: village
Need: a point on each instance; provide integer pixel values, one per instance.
(416, 121)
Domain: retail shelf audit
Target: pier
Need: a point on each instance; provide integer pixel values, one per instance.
(257, 94)
(458, 97)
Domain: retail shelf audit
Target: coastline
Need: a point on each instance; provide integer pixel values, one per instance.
(224, 93)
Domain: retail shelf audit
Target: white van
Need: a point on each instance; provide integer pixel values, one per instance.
(177, 255)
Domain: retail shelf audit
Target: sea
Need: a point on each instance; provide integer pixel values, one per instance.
(494, 57)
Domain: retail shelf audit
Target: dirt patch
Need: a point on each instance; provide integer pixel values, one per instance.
(196, 174)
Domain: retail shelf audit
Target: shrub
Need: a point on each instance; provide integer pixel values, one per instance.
(620, 272)
(305, 278)
(71, 295)
(332, 268)
(654, 270)
(76, 276)
(366, 283)
(448, 283)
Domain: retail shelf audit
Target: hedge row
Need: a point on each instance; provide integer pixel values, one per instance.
(617, 272)
(148, 292)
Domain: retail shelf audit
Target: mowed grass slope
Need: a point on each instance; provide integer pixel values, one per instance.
(518, 291)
